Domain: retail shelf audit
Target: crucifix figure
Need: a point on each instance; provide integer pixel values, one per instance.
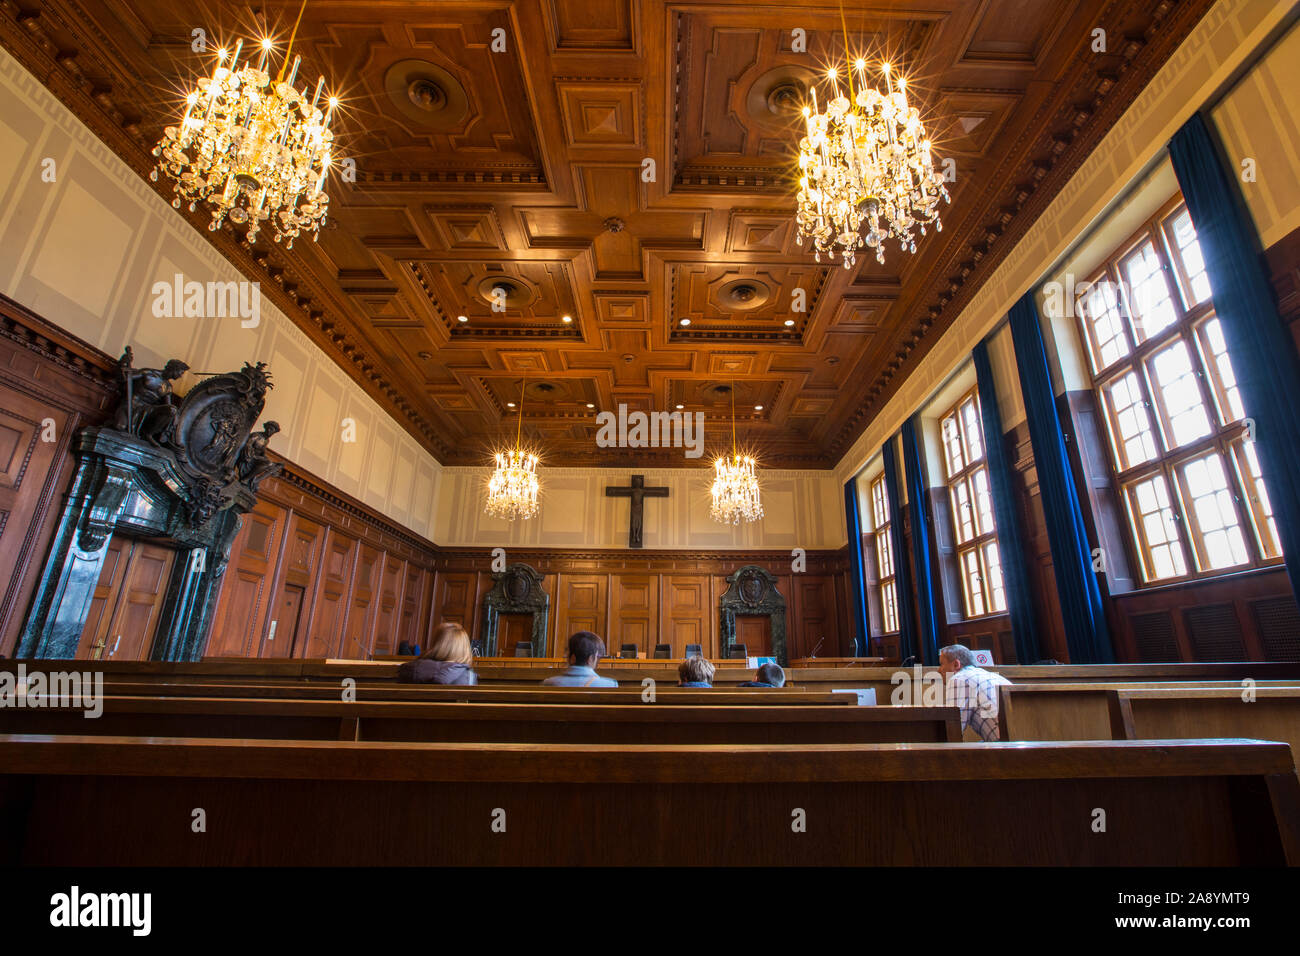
(638, 492)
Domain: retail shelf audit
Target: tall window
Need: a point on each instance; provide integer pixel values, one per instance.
(1184, 464)
(967, 478)
(884, 555)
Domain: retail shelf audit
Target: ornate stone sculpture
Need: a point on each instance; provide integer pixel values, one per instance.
(174, 469)
(148, 408)
(253, 465)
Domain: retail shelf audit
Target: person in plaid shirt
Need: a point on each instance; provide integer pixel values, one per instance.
(972, 690)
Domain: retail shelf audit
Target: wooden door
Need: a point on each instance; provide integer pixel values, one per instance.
(241, 616)
(103, 603)
(513, 629)
(287, 615)
(130, 594)
(755, 632)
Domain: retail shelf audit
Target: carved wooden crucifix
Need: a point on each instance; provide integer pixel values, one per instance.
(638, 492)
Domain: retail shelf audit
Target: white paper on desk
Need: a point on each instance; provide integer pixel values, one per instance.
(866, 695)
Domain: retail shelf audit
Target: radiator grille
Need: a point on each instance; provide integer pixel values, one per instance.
(1214, 633)
(1154, 635)
(1279, 629)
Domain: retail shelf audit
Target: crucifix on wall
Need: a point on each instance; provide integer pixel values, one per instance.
(638, 492)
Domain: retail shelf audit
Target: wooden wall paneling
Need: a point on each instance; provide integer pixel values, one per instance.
(51, 385)
(633, 612)
(455, 597)
(27, 464)
(689, 610)
(388, 608)
(358, 629)
(247, 586)
(580, 603)
(332, 591)
(1047, 605)
(425, 622)
(813, 617)
(296, 588)
(410, 611)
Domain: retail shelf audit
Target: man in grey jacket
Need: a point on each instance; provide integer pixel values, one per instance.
(585, 650)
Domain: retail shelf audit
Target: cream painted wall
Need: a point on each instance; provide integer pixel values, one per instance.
(1258, 120)
(1229, 35)
(84, 252)
(802, 509)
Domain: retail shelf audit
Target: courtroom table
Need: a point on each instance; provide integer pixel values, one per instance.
(96, 801)
(837, 661)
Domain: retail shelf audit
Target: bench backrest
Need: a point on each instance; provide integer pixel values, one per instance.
(1083, 711)
(520, 723)
(363, 803)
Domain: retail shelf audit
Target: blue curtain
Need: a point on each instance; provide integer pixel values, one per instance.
(917, 493)
(1011, 541)
(907, 643)
(1263, 352)
(857, 573)
(1086, 632)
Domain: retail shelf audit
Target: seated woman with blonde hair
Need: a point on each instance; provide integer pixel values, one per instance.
(448, 660)
(695, 672)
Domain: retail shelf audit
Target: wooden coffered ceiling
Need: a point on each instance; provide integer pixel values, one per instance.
(523, 168)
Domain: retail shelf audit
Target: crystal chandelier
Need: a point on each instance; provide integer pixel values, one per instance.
(865, 161)
(254, 149)
(512, 489)
(736, 495)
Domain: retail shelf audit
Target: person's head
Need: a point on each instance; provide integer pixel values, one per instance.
(585, 649)
(450, 643)
(270, 428)
(696, 670)
(953, 658)
(174, 368)
(770, 673)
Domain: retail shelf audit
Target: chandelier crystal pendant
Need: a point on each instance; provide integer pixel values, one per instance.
(865, 162)
(256, 150)
(736, 495)
(512, 489)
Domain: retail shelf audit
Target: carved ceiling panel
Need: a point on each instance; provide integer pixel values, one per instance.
(625, 163)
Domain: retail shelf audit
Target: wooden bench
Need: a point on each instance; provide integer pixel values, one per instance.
(516, 722)
(1082, 711)
(1273, 714)
(94, 801)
